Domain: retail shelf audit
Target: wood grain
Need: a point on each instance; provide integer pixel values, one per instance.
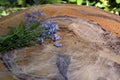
(94, 54)
(107, 20)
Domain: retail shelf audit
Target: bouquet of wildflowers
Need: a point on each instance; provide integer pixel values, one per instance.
(33, 31)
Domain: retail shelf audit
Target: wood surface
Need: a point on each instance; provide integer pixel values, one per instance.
(90, 37)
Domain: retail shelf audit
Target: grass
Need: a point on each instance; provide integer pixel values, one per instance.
(20, 36)
(31, 33)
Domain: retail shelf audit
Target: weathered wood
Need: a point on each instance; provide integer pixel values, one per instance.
(108, 21)
(90, 51)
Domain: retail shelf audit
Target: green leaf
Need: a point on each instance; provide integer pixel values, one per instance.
(87, 2)
(72, 0)
(98, 4)
(4, 2)
(53, 1)
(117, 1)
(102, 1)
(4, 13)
(79, 2)
(20, 2)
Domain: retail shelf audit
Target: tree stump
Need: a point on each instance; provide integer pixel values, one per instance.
(90, 51)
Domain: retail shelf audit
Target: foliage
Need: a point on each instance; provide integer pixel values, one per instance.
(78, 2)
(5, 2)
(20, 2)
(19, 37)
(118, 1)
(27, 2)
(109, 5)
(6, 11)
(47, 1)
(30, 33)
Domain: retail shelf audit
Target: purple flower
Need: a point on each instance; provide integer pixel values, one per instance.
(48, 25)
(27, 17)
(27, 22)
(33, 14)
(49, 22)
(34, 19)
(58, 44)
(27, 14)
(51, 31)
(45, 26)
(39, 13)
(56, 27)
(55, 37)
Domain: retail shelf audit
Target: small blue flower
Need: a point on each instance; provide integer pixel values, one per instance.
(27, 14)
(27, 19)
(55, 37)
(49, 22)
(39, 13)
(33, 14)
(58, 44)
(51, 31)
(27, 23)
(34, 19)
(40, 40)
(45, 26)
(56, 27)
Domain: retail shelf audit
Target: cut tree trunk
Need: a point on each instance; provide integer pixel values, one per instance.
(90, 51)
